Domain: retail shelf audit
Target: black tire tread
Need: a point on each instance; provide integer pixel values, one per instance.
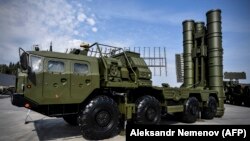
(143, 102)
(188, 117)
(88, 131)
(207, 112)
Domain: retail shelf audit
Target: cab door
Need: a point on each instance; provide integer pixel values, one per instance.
(56, 81)
(80, 80)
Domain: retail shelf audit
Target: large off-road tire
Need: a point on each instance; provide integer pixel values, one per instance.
(99, 119)
(71, 119)
(148, 110)
(191, 110)
(210, 111)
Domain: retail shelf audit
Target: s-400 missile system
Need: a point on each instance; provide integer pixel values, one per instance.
(99, 94)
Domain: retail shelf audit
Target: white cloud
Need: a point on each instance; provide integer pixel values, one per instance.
(31, 22)
(81, 17)
(94, 29)
(75, 43)
(91, 21)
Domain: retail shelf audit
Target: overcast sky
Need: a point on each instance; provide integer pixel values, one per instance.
(130, 23)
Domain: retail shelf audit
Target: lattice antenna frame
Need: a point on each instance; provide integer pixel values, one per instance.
(155, 58)
(179, 65)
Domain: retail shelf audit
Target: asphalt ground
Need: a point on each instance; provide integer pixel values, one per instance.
(40, 127)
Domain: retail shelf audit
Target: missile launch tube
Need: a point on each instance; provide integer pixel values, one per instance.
(199, 26)
(215, 52)
(188, 43)
(199, 60)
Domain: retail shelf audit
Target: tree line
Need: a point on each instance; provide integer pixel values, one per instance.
(9, 69)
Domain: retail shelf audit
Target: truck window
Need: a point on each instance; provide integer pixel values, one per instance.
(81, 68)
(55, 66)
(36, 63)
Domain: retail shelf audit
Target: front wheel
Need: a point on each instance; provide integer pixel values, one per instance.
(99, 119)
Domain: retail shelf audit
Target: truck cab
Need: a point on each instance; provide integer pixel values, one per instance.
(52, 78)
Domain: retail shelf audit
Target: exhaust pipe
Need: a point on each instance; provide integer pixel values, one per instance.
(188, 43)
(215, 56)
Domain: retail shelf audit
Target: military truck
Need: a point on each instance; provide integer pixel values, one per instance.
(101, 94)
(236, 93)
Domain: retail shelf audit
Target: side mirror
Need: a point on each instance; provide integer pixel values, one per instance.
(24, 61)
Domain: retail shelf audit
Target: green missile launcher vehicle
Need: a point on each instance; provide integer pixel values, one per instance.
(101, 94)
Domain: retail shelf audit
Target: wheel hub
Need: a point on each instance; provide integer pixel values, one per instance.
(103, 118)
(212, 106)
(151, 114)
(193, 109)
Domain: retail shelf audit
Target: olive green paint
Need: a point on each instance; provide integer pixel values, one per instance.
(126, 76)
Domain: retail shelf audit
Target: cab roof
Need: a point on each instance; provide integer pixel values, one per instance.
(60, 55)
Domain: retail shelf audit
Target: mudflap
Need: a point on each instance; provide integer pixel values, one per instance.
(17, 100)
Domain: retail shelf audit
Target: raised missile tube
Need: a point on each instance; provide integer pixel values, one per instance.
(199, 26)
(199, 60)
(215, 56)
(188, 43)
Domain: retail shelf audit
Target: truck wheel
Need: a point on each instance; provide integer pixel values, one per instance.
(191, 110)
(148, 110)
(71, 119)
(210, 111)
(99, 119)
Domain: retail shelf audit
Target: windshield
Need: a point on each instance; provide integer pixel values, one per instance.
(36, 63)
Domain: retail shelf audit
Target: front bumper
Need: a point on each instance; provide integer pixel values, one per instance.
(17, 100)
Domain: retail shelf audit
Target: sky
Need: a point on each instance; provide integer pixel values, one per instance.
(130, 23)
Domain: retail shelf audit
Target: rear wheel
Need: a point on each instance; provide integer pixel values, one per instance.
(99, 119)
(71, 119)
(148, 110)
(191, 110)
(210, 111)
